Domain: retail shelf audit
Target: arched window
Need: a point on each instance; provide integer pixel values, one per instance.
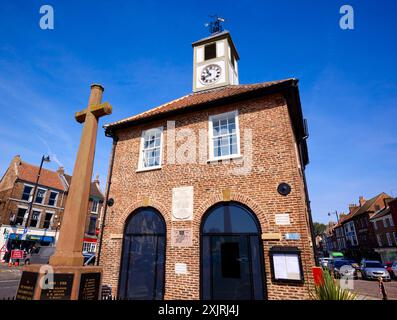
(143, 256)
(231, 256)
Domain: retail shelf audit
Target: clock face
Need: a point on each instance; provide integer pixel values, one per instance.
(210, 74)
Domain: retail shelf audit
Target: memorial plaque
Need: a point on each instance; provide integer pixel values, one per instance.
(89, 286)
(62, 289)
(27, 286)
(181, 238)
(182, 203)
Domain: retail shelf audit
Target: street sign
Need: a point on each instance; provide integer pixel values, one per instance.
(3, 249)
(16, 254)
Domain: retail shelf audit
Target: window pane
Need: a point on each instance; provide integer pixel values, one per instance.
(146, 221)
(26, 193)
(210, 51)
(230, 218)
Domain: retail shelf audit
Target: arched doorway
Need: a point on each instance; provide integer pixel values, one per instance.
(143, 256)
(232, 265)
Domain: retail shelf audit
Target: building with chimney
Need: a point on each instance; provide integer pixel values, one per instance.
(385, 229)
(18, 229)
(209, 192)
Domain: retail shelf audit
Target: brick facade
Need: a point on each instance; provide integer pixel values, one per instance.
(20, 174)
(274, 160)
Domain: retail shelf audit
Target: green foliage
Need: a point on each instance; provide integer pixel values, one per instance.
(330, 290)
(319, 228)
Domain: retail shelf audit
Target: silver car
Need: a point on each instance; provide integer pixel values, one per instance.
(372, 269)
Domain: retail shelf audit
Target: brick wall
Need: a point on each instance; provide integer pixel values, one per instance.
(274, 161)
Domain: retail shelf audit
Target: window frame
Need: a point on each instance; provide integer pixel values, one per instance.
(210, 46)
(141, 166)
(55, 199)
(38, 219)
(30, 193)
(219, 116)
(50, 221)
(389, 240)
(97, 206)
(24, 218)
(44, 195)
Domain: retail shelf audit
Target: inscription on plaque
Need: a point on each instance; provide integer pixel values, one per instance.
(27, 286)
(181, 238)
(89, 286)
(62, 288)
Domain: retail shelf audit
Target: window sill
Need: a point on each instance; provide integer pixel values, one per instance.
(234, 157)
(148, 169)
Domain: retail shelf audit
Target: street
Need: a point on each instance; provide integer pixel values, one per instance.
(9, 279)
(370, 289)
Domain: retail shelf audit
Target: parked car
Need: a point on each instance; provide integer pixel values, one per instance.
(40, 255)
(324, 262)
(371, 269)
(394, 270)
(342, 267)
(388, 267)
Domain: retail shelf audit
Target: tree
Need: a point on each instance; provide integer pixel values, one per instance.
(319, 228)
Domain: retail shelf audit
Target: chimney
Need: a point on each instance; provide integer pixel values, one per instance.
(61, 171)
(352, 207)
(16, 160)
(361, 200)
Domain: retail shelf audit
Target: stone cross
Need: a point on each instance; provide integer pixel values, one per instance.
(69, 246)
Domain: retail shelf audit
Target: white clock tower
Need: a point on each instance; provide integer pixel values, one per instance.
(215, 62)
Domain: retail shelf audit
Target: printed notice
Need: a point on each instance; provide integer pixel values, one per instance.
(286, 266)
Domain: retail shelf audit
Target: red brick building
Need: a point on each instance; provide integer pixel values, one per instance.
(16, 196)
(210, 198)
(385, 230)
(359, 232)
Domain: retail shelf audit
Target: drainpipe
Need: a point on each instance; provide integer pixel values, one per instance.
(111, 134)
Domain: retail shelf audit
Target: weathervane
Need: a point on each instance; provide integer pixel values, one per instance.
(215, 25)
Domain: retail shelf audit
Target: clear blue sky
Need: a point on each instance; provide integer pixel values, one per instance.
(347, 78)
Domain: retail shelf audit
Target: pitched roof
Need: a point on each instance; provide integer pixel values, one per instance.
(367, 205)
(48, 178)
(381, 213)
(204, 97)
(94, 190)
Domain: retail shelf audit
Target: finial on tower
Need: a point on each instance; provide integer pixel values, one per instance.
(215, 26)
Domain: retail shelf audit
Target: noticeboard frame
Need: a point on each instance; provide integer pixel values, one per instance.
(288, 251)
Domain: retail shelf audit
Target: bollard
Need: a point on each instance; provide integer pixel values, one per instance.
(382, 289)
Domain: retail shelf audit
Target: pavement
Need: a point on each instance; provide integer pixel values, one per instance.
(9, 280)
(369, 289)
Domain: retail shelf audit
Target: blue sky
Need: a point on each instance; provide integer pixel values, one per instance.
(347, 78)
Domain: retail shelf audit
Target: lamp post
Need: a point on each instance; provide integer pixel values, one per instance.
(46, 159)
(336, 213)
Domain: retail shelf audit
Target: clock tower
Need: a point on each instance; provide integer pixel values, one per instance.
(214, 62)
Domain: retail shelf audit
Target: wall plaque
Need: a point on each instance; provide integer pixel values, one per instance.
(282, 219)
(62, 289)
(27, 285)
(182, 203)
(180, 268)
(89, 286)
(181, 237)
